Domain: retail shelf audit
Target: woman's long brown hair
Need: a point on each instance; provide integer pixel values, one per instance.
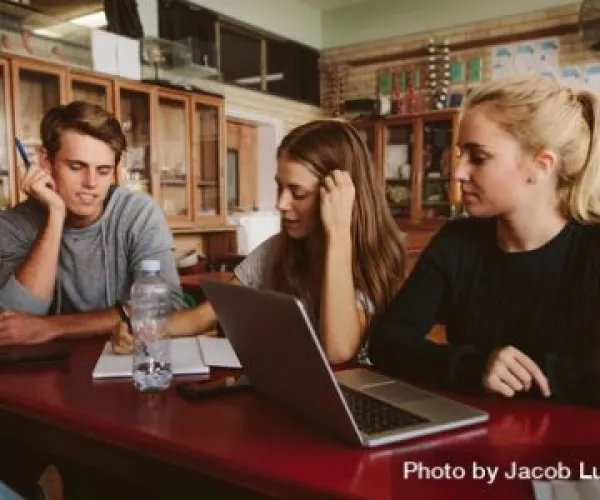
(378, 256)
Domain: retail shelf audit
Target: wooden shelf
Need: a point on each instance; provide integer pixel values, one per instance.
(425, 161)
(168, 139)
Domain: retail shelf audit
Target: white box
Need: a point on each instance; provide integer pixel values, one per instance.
(104, 52)
(128, 58)
(116, 55)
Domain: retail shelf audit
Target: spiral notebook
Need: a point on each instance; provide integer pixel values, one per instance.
(189, 356)
(583, 489)
(186, 359)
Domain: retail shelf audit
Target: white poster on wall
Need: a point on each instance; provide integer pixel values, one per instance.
(525, 58)
(572, 75)
(502, 61)
(548, 52)
(534, 56)
(592, 75)
(104, 52)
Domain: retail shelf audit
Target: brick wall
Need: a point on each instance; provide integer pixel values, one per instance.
(361, 80)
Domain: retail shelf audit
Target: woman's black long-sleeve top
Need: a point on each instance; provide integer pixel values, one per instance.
(544, 302)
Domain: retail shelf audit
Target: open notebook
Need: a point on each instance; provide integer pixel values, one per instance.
(189, 355)
(584, 489)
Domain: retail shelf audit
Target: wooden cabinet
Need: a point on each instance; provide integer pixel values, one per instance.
(241, 165)
(89, 88)
(8, 194)
(133, 108)
(174, 156)
(414, 156)
(176, 139)
(35, 89)
(208, 160)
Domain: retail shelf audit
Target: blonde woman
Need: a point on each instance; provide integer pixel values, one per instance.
(339, 249)
(518, 284)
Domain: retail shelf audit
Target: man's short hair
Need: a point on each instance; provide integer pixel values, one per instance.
(85, 118)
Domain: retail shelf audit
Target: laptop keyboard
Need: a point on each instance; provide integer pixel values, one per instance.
(373, 415)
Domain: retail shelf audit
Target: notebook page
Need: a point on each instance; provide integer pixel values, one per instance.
(584, 489)
(186, 357)
(217, 351)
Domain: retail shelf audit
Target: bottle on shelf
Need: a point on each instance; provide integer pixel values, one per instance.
(410, 95)
(418, 95)
(402, 106)
(396, 94)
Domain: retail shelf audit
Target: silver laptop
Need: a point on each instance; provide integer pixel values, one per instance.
(273, 337)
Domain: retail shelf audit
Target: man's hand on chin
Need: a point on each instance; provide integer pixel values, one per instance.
(18, 328)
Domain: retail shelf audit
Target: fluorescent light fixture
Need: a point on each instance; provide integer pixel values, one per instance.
(46, 32)
(65, 29)
(253, 80)
(95, 20)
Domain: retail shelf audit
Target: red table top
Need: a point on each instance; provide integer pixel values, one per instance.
(249, 441)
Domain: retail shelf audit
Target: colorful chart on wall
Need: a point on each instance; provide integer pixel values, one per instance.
(548, 62)
(385, 83)
(535, 56)
(457, 71)
(502, 61)
(474, 69)
(525, 58)
(572, 75)
(592, 75)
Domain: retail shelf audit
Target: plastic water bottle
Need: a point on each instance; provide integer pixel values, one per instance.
(150, 298)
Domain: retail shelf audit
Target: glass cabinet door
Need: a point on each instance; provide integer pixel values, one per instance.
(36, 89)
(398, 167)
(133, 111)
(92, 90)
(173, 156)
(7, 186)
(438, 158)
(208, 157)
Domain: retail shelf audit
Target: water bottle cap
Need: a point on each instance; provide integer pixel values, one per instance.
(150, 266)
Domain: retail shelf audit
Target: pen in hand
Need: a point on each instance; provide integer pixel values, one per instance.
(23, 153)
(126, 318)
(25, 157)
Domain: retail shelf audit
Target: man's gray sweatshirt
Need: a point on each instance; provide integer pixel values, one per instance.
(97, 263)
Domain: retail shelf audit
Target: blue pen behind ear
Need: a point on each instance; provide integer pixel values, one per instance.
(22, 153)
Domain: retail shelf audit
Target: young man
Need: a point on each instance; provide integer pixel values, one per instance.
(68, 254)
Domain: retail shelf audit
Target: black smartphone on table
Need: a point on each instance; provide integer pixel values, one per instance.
(33, 355)
(204, 389)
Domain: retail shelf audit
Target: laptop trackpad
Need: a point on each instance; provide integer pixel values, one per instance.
(397, 393)
(359, 378)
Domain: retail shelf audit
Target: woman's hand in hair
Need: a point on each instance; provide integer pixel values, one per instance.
(337, 200)
(510, 371)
